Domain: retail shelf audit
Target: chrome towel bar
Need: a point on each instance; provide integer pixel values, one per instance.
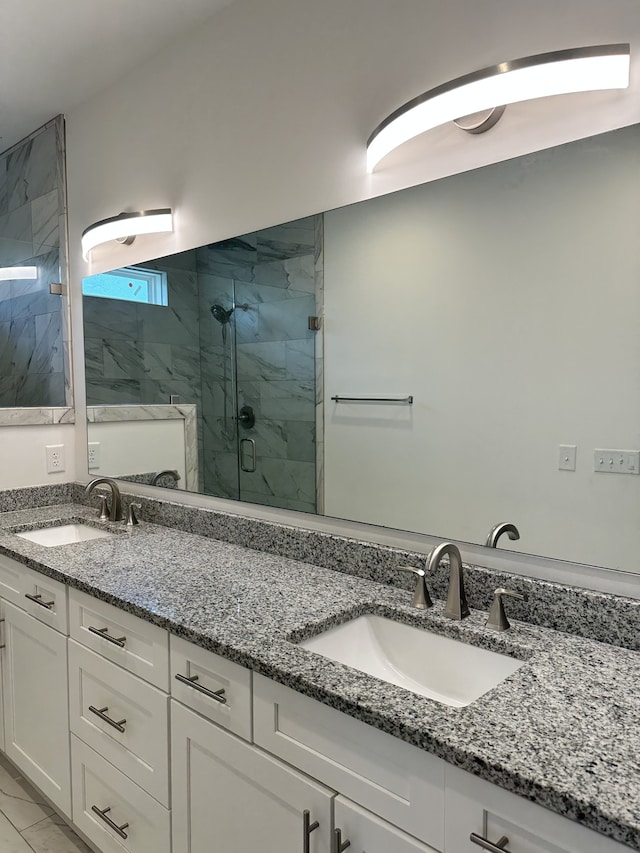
(407, 401)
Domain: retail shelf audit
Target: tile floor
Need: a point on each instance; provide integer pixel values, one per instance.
(27, 824)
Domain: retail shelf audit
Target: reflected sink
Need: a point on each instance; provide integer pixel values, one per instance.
(443, 669)
(65, 534)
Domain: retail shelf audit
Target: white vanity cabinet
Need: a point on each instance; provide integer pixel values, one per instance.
(491, 814)
(118, 664)
(228, 795)
(35, 701)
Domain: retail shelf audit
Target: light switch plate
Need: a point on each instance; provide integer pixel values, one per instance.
(567, 457)
(616, 461)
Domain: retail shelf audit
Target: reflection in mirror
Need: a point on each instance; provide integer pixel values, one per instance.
(502, 300)
(33, 321)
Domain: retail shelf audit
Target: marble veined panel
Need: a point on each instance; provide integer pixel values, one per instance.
(288, 400)
(232, 258)
(17, 342)
(4, 198)
(32, 168)
(157, 361)
(282, 478)
(254, 293)
(277, 439)
(14, 252)
(159, 391)
(44, 222)
(109, 318)
(102, 392)
(167, 324)
(16, 225)
(180, 261)
(221, 474)
(287, 240)
(47, 353)
(214, 361)
(300, 356)
(122, 359)
(284, 320)
(93, 358)
(32, 388)
(219, 434)
(185, 363)
(262, 361)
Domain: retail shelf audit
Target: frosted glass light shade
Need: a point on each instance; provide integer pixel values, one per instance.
(125, 226)
(15, 273)
(561, 72)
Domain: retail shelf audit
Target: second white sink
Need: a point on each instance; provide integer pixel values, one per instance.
(65, 534)
(443, 669)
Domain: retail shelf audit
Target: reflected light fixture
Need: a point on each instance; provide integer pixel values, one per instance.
(561, 72)
(16, 273)
(126, 227)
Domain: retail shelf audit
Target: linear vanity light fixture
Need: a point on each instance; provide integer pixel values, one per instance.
(15, 273)
(126, 227)
(561, 72)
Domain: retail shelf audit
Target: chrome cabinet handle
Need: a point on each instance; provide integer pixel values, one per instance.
(38, 600)
(499, 847)
(4, 645)
(307, 829)
(251, 466)
(338, 844)
(114, 826)
(100, 712)
(218, 695)
(103, 632)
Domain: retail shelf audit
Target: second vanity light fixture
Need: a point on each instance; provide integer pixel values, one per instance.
(126, 227)
(561, 72)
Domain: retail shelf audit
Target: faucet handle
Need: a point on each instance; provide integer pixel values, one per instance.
(132, 518)
(103, 512)
(421, 597)
(497, 617)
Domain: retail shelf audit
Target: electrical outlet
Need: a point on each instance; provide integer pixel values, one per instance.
(55, 458)
(94, 455)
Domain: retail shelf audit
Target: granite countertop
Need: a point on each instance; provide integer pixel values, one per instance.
(563, 731)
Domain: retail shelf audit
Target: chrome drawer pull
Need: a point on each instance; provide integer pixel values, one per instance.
(499, 847)
(4, 645)
(307, 829)
(338, 844)
(114, 826)
(103, 632)
(38, 600)
(100, 712)
(218, 695)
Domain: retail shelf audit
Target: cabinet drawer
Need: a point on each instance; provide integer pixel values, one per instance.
(45, 599)
(11, 584)
(134, 644)
(399, 782)
(476, 806)
(136, 740)
(214, 674)
(366, 833)
(144, 822)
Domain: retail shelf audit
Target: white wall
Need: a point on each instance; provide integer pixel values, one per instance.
(139, 447)
(261, 116)
(23, 457)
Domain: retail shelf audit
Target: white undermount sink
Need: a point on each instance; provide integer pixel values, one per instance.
(65, 534)
(443, 669)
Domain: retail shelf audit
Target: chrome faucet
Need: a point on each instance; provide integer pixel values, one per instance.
(173, 474)
(497, 530)
(115, 513)
(456, 606)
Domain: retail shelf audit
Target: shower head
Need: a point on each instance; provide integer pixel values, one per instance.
(222, 315)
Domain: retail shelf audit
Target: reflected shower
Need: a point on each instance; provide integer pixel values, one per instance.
(223, 315)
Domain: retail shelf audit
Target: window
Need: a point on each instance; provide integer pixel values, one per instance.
(131, 284)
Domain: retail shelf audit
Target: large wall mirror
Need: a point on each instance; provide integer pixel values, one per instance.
(486, 325)
(34, 316)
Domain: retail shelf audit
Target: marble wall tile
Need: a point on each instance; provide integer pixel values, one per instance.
(253, 293)
(40, 386)
(166, 324)
(93, 357)
(300, 357)
(282, 478)
(264, 361)
(14, 252)
(180, 261)
(220, 434)
(8, 391)
(45, 222)
(214, 361)
(288, 400)
(287, 240)
(32, 168)
(16, 225)
(280, 321)
(109, 318)
(232, 258)
(112, 391)
(4, 197)
(47, 353)
(122, 359)
(221, 474)
(156, 360)
(17, 343)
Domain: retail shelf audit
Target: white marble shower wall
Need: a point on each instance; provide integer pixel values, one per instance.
(271, 275)
(33, 324)
(144, 354)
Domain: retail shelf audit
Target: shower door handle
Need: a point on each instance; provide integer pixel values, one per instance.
(248, 444)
